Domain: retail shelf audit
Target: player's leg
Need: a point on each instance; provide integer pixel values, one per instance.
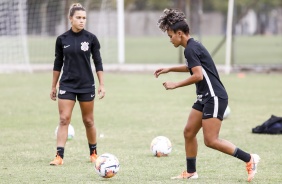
(212, 117)
(65, 105)
(211, 123)
(192, 127)
(65, 111)
(86, 102)
(211, 128)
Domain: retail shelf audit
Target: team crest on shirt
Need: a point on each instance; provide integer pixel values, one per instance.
(84, 46)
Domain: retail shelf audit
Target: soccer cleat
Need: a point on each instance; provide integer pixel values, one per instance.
(252, 165)
(93, 157)
(57, 161)
(186, 175)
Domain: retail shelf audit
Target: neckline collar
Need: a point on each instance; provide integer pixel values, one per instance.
(189, 40)
(76, 33)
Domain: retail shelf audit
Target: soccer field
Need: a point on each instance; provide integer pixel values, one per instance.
(257, 50)
(136, 109)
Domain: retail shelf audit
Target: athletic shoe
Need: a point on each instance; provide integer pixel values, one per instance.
(93, 157)
(252, 165)
(57, 161)
(186, 175)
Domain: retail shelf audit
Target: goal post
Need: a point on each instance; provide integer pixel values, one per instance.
(120, 20)
(229, 27)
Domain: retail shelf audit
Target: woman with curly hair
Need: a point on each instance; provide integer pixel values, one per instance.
(212, 99)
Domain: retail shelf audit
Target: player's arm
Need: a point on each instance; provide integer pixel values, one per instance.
(96, 56)
(58, 64)
(182, 68)
(101, 88)
(194, 78)
(53, 93)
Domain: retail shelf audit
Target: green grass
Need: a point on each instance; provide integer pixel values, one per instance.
(158, 49)
(135, 110)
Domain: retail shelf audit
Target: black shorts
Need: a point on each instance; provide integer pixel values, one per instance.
(82, 97)
(213, 108)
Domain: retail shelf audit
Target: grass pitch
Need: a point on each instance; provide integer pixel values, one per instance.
(257, 50)
(135, 110)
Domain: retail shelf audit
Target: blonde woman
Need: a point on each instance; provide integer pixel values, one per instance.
(72, 55)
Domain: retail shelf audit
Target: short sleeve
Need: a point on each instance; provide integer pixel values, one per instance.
(192, 58)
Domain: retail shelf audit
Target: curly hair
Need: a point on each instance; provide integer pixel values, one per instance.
(173, 19)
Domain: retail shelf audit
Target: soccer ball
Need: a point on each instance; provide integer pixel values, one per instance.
(70, 132)
(161, 146)
(226, 112)
(106, 165)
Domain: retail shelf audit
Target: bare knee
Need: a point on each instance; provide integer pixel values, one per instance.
(211, 143)
(88, 122)
(188, 134)
(64, 120)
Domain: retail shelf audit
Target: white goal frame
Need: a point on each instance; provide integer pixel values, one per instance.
(229, 27)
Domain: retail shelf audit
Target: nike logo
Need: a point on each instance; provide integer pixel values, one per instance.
(92, 96)
(66, 46)
(206, 114)
(62, 92)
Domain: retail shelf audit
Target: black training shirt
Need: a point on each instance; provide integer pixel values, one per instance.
(73, 52)
(197, 55)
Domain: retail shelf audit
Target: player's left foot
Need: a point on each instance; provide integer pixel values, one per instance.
(93, 157)
(57, 161)
(186, 175)
(251, 166)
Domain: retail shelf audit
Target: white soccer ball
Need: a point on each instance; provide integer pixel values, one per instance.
(226, 112)
(106, 165)
(161, 146)
(70, 132)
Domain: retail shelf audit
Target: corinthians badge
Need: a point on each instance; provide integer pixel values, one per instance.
(84, 46)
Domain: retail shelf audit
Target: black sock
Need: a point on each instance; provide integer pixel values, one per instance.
(191, 165)
(60, 151)
(92, 148)
(246, 157)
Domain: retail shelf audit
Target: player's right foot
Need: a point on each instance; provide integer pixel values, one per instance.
(93, 157)
(57, 161)
(186, 175)
(252, 166)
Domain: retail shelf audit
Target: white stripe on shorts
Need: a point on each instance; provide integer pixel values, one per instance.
(215, 112)
(208, 82)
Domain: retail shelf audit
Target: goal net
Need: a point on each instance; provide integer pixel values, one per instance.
(103, 23)
(28, 31)
(13, 38)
